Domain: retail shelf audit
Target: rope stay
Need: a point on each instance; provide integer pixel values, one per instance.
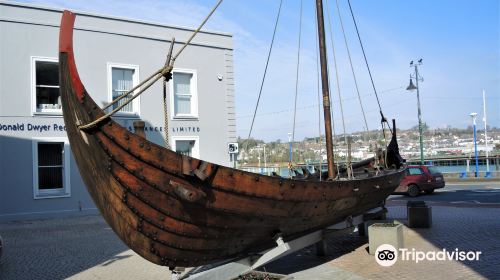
(336, 71)
(383, 120)
(352, 69)
(297, 78)
(165, 105)
(147, 84)
(196, 31)
(334, 136)
(265, 72)
(165, 72)
(319, 105)
(165, 114)
(369, 71)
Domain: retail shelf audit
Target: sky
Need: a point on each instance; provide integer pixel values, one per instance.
(458, 40)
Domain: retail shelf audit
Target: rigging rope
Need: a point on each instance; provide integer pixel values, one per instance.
(334, 136)
(352, 69)
(196, 31)
(150, 81)
(162, 72)
(368, 67)
(165, 105)
(165, 114)
(297, 78)
(265, 70)
(336, 71)
(319, 105)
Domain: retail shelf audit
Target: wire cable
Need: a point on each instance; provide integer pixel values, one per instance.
(336, 71)
(368, 67)
(297, 75)
(265, 69)
(352, 69)
(319, 103)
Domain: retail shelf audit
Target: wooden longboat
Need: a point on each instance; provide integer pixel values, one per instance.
(175, 210)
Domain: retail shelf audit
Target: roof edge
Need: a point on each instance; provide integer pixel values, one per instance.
(102, 16)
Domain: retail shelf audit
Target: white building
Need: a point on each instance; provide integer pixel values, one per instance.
(39, 177)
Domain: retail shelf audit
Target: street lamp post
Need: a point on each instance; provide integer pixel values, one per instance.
(259, 149)
(473, 116)
(486, 136)
(412, 87)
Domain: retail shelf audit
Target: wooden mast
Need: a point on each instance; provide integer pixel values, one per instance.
(325, 88)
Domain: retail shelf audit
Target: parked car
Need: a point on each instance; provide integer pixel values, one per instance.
(420, 178)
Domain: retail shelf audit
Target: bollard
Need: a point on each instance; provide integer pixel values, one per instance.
(1, 247)
(385, 233)
(419, 214)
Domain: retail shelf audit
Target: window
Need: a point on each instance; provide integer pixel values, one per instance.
(434, 170)
(51, 168)
(414, 171)
(45, 85)
(186, 145)
(122, 78)
(184, 96)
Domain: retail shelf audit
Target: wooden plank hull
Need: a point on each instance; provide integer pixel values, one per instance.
(179, 211)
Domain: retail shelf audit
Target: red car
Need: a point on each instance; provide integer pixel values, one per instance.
(420, 178)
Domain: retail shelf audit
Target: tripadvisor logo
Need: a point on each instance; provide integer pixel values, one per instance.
(387, 255)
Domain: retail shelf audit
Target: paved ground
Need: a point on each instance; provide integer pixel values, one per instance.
(74, 248)
(465, 217)
(463, 228)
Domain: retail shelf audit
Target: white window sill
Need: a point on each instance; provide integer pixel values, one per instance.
(187, 117)
(127, 115)
(49, 112)
(51, 194)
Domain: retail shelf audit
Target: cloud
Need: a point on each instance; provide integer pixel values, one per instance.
(455, 69)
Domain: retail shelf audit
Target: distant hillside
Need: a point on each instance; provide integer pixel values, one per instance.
(437, 142)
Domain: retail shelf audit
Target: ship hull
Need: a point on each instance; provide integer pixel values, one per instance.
(175, 210)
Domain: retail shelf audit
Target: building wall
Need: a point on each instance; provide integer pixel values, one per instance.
(27, 31)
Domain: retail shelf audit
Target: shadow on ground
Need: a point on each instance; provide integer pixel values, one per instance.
(470, 225)
(57, 248)
(307, 257)
(471, 228)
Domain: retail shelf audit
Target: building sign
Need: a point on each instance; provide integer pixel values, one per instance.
(189, 129)
(233, 148)
(56, 127)
(33, 127)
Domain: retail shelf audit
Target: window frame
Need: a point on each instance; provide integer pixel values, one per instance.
(34, 109)
(416, 168)
(136, 104)
(52, 193)
(194, 95)
(195, 153)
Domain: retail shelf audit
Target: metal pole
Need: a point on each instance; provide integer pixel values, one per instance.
(325, 88)
(290, 154)
(473, 115)
(260, 167)
(485, 134)
(419, 119)
(265, 160)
